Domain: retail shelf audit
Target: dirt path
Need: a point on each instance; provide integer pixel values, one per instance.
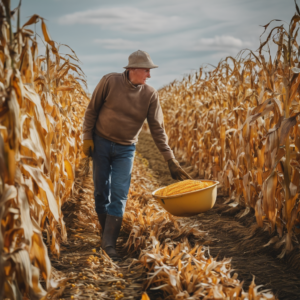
(230, 235)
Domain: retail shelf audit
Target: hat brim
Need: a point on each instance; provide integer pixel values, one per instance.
(140, 67)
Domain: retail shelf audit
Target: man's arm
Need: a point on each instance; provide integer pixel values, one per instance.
(92, 111)
(155, 120)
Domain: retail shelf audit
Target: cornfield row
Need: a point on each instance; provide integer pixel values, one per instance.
(41, 108)
(42, 105)
(239, 124)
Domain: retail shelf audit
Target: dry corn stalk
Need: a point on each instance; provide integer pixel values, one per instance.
(239, 124)
(41, 109)
(183, 187)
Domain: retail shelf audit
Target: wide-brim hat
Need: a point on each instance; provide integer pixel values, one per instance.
(140, 59)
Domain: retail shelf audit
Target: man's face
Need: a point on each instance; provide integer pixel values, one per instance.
(139, 76)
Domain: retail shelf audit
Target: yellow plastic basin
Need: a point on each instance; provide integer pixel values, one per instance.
(191, 203)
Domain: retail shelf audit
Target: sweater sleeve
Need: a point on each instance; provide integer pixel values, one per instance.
(93, 109)
(155, 120)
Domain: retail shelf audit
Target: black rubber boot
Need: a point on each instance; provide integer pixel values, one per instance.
(102, 219)
(110, 235)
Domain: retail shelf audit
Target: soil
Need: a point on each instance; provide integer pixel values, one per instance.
(233, 232)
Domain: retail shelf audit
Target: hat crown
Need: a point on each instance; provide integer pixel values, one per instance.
(140, 59)
(139, 56)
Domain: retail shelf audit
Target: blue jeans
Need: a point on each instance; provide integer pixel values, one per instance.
(112, 166)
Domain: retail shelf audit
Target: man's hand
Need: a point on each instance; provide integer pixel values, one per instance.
(176, 171)
(88, 147)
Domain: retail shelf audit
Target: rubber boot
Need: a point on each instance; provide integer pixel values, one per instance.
(110, 235)
(102, 219)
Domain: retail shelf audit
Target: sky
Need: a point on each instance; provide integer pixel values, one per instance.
(180, 35)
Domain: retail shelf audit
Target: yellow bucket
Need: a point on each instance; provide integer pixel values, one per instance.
(191, 203)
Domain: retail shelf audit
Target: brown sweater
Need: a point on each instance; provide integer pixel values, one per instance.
(118, 110)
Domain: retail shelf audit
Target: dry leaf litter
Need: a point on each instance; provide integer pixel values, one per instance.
(155, 246)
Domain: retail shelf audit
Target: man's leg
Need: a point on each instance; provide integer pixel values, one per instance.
(101, 176)
(122, 161)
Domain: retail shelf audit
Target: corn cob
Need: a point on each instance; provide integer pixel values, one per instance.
(183, 187)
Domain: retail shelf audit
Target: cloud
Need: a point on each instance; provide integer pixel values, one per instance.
(117, 44)
(221, 43)
(179, 35)
(128, 19)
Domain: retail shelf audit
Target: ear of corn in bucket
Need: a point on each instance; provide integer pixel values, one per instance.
(183, 187)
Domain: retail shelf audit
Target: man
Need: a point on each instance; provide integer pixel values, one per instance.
(113, 120)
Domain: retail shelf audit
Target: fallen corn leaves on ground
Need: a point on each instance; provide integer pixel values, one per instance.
(82, 272)
(233, 233)
(183, 187)
(156, 248)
